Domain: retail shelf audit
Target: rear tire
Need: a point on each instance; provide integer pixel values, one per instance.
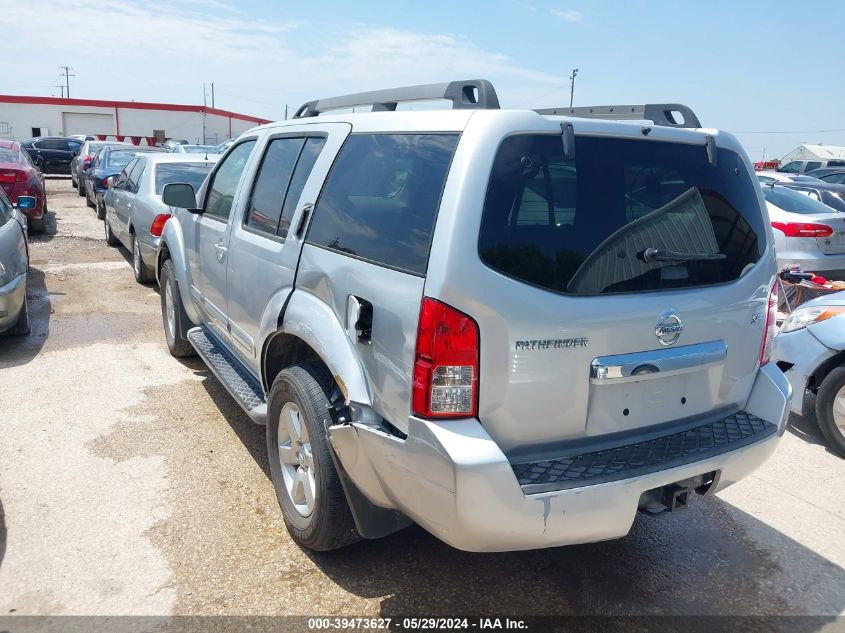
(830, 410)
(101, 210)
(175, 319)
(111, 240)
(80, 189)
(22, 326)
(307, 485)
(35, 225)
(142, 272)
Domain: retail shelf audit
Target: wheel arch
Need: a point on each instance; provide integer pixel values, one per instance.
(308, 329)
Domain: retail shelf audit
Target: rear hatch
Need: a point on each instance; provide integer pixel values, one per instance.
(617, 290)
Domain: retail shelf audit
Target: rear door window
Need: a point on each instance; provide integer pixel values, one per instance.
(584, 226)
(812, 165)
(271, 184)
(381, 198)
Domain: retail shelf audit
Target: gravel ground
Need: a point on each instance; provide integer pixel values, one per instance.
(131, 483)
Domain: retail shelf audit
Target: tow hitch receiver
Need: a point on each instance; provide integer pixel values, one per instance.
(675, 496)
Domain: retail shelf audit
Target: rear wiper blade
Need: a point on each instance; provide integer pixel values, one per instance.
(650, 255)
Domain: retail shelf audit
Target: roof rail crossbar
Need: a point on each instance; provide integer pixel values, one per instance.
(467, 94)
(664, 114)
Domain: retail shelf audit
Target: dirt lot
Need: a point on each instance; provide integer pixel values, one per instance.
(131, 483)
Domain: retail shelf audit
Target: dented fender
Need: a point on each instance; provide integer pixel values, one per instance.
(311, 320)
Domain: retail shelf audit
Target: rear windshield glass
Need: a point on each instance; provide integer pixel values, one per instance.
(794, 201)
(192, 173)
(9, 155)
(381, 198)
(623, 216)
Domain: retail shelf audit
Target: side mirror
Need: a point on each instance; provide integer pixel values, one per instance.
(25, 203)
(181, 195)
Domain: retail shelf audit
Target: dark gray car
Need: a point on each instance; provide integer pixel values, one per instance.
(14, 265)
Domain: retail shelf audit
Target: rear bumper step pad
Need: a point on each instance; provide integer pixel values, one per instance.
(632, 460)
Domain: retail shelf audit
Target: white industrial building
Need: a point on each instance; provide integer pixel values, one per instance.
(814, 152)
(134, 121)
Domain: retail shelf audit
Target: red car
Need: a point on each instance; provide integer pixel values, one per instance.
(19, 177)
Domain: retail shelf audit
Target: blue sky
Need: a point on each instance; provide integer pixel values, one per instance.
(773, 67)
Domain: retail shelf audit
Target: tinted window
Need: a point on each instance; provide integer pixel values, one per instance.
(794, 201)
(837, 179)
(836, 163)
(74, 145)
(135, 175)
(271, 184)
(221, 193)
(791, 168)
(381, 198)
(812, 165)
(51, 143)
(582, 226)
(192, 173)
(307, 158)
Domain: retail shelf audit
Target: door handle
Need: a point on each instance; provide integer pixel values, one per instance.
(221, 251)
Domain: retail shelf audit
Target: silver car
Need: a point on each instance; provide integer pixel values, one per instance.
(14, 265)
(134, 201)
(512, 327)
(195, 149)
(807, 233)
(809, 349)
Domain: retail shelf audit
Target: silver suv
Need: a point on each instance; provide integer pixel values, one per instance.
(513, 327)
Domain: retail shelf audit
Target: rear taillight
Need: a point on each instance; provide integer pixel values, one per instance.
(803, 229)
(445, 363)
(108, 181)
(157, 226)
(770, 327)
(12, 175)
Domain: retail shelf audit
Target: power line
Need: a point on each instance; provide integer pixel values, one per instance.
(791, 132)
(67, 75)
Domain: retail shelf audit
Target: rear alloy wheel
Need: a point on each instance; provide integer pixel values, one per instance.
(176, 321)
(142, 272)
(111, 240)
(830, 410)
(307, 485)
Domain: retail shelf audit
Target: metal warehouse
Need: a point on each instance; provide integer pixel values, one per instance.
(135, 121)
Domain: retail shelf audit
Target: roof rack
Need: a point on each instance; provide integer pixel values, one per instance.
(664, 114)
(468, 94)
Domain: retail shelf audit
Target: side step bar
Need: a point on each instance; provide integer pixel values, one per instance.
(237, 379)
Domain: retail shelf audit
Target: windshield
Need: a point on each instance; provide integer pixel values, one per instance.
(794, 201)
(121, 159)
(199, 149)
(192, 173)
(581, 226)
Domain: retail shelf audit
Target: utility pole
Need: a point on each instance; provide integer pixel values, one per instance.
(212, 94)
(67, 75)
(203, 113)
(572, 86)
(286, 112)
(62, 88)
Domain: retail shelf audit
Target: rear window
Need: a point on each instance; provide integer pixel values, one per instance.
(794, 201)
(192, 173)
(583, 226)
(9, 155)
(381, 198)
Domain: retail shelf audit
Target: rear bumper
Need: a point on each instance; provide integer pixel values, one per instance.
(452, 478)
(832, 266)
(12, 296)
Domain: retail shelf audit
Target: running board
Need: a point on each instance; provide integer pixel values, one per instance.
(237, 379)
